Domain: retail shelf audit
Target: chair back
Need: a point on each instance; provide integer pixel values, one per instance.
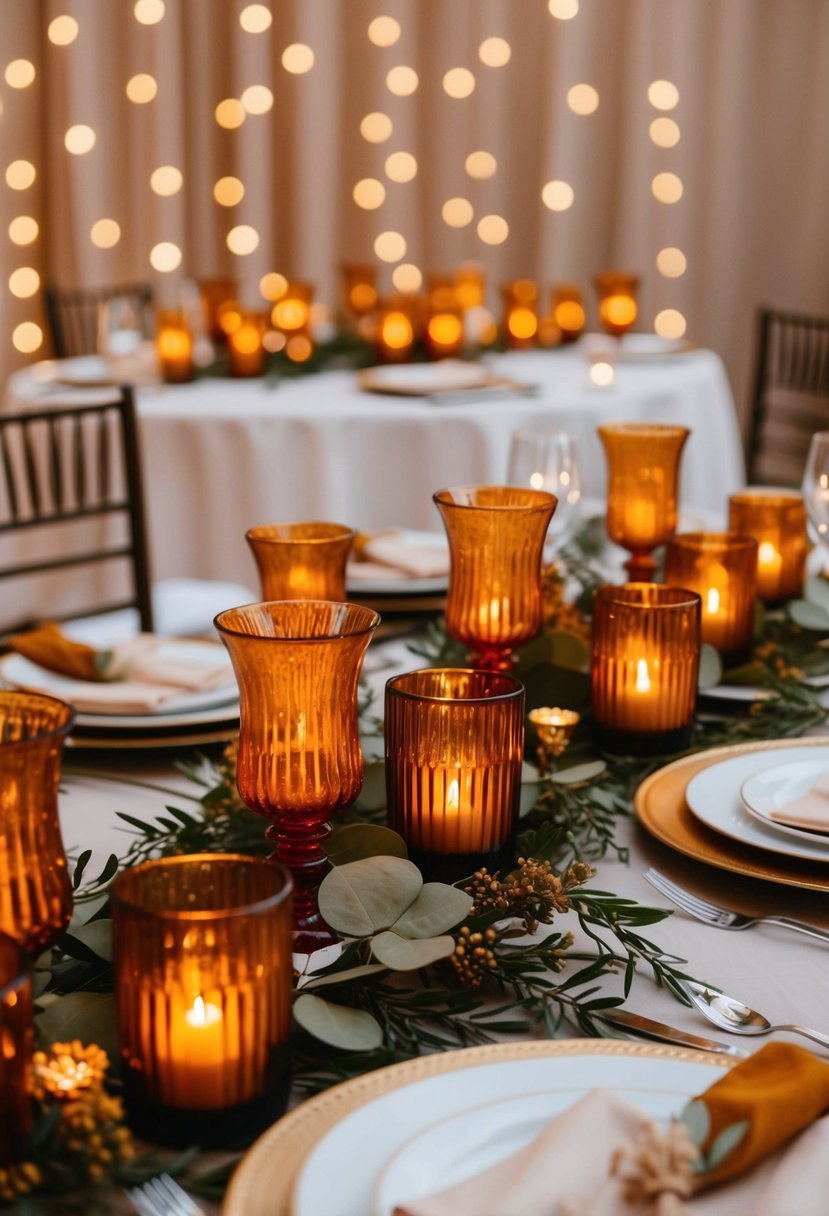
(74, 313)
(70, 500)
(790, 397)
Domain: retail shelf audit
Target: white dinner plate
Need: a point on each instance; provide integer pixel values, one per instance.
(357, 1149)
(636, 348)
(713, 797)
(84, 371)
(16, 671)
(398, 582)
(748, 693)
(772, 789)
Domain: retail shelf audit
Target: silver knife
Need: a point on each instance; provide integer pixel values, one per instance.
(665, 1034)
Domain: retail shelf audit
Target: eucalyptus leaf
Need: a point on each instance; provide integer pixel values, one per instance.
(337, 1025)
(816, 591)
(361, 897)
(710, 667)
(437, 909)
(697, 1118)
(402, 954)
(88, 1016)
(359, 840)
(809, 616)
(96, 936)
(340, 977)
(725, 1143)
(579, 773)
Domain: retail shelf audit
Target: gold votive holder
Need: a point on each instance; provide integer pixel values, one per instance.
(359, 288)
(16, 1043)
(35, 890)
(555, 728)
(174, 346)
(722, 568)
(203, 981)
(568, 311)
(642, 488)
(646, 642)
(519, 318)
(454, 745)
(246, 353)
(777, 521)
(617, 292)
(301, 561)
(394, 336)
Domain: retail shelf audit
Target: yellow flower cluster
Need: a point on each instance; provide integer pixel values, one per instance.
(473, 956)
(17, 1180)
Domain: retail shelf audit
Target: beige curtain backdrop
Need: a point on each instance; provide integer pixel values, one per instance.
(753, 153)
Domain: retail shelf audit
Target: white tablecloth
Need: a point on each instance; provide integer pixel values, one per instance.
(222, 455)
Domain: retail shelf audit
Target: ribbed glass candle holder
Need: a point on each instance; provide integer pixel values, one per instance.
(646, 641)
(203, 981)
(496, 536)
(454, 745)
(16, 1043)
(777, 521)
(35, 890)
(722, 568)
(301, 561)
(297, 663)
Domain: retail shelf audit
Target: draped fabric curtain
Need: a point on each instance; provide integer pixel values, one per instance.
(751, 160)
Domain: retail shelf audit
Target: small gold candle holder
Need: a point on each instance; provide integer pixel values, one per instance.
(520, 313)
(174, 346)
(777, 521)
(16, 1042)
(555, 728)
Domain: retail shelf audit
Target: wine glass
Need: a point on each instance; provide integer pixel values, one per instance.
(816, 487)
(122, 326)
(549, 460)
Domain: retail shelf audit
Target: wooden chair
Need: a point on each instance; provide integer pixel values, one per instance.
(790, 400)
(74, 313)
(64, 475)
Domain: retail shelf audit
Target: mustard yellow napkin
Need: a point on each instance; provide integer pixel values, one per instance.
(48, 647)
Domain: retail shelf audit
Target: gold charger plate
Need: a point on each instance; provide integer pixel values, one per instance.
(265, 1179)
(660, 807)
(179, 738)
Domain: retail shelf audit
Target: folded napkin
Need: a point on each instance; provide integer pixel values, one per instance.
(809, 811)
(604, 1157)
(132, 677)
(398, 550)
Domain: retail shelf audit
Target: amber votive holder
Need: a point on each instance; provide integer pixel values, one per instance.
(16, 1044)
(174, 346)
(617, 292)
(214, 293)
(291, 316)
(519, 316)
(722, 568)
(246, 353)
(359, 288)
(203, 981)
(444, 334)
(301, 561)
(35, 889)
(454, 745)
(568, 311)
(645, 663)
(396, 329)
(777, 521)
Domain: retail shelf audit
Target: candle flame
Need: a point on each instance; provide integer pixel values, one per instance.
(767, 553)
(643, 680)
(713, 602)
(202, 1014)
(453, 797)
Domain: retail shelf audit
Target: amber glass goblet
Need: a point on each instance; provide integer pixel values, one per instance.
(35, 891)
(16, 1043)
(642, 488)
(297, 663)
(496, 536)
(618, 309)
(301, 560)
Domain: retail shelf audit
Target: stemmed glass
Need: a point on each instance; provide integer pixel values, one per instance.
(816, 487)
(297, 663)
(548, 460)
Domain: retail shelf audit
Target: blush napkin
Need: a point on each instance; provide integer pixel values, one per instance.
(809, 811)
(604, 1157)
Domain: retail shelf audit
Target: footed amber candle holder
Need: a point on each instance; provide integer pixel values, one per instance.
(35, 891)
(301, 561)
(359, 289)
(496, 537)
(16, 1041)
(618, 309)
(203, 983)
(777, 521)
(646, 641)
(246, 352)
(722, 568)
(454, 743)
(568, 311)
(520, 313)
(174, 346)
(297, 663)
(642, 491)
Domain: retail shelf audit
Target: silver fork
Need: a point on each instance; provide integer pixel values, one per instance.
(725, 918)
(162, 1196)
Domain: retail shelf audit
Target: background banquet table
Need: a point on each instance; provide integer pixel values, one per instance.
(221, 455)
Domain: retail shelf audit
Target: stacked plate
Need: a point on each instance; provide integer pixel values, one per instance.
(404, 588)
(400, 1133)
(734, 808)
(185, 719)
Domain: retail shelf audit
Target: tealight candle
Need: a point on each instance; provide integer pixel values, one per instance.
(454, 742)
(520, 313)
(174, 347)
(202, 952)
(722, 568)
(777, 521)
(646, 642)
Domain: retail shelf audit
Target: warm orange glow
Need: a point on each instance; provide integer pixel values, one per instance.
(290, 313)
(174, 347)
(569, 316)
(522, 323)
(619, 310)
(299, 348)
(301, 561)
(445, 329)
(396, 331)
(643, 679)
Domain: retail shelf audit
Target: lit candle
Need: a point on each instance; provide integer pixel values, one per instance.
(769, 565)
(193, 1075)
(395, 332)
(568, 311)
(722, 568)
(245, 349)
(617, 301)
(174, 348)
(520, 321)
(777, 521)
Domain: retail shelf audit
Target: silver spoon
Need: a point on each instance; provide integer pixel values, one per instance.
(732, 1015)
